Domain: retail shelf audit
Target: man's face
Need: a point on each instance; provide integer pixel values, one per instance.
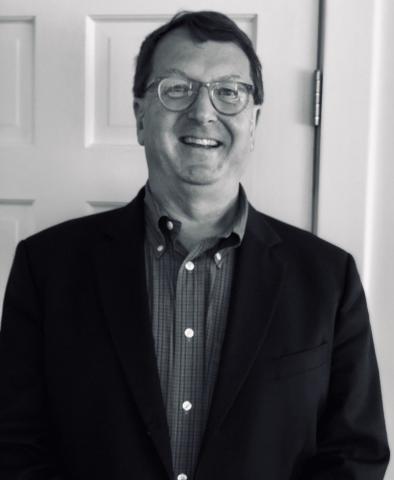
(174, 141)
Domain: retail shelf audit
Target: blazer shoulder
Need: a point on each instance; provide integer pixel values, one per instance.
(88, 228)
(301, 243)
(79, 228)
(309, 260)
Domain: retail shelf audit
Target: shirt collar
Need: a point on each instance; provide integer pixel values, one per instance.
(157, 222)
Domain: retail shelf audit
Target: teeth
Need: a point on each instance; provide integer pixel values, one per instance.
(204, 142)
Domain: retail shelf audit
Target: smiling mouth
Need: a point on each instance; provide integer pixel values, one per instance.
(200, 142)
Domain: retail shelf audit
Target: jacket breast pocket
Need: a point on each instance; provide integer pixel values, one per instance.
(300, 362)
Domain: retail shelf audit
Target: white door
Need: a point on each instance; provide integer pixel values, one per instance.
(67, 134)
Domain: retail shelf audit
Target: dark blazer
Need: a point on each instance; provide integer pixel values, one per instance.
(297, 395)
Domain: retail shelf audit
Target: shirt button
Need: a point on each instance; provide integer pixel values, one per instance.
(170, 225)
(189, 333)
(160, 248)
(189, 266)
(186, 406)
(182, 476)
(218, 256)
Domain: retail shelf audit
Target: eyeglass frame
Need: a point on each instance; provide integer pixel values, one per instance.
(250, 90)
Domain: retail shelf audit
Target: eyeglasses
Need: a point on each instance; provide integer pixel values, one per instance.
(228, 97)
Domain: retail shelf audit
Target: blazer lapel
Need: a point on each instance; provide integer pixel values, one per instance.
(120, 263)
(257, 282)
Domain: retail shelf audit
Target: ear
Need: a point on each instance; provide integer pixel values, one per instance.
(257, 110)
(139, 111)
(253, 124)
(254, 119)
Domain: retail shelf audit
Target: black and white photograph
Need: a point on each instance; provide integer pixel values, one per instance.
(196, 240)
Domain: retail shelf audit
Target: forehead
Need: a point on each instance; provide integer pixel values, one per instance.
(206, 61)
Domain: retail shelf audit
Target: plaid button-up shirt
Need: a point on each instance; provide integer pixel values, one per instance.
(189, 294)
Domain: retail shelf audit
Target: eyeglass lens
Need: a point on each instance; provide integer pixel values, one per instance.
(228, 97)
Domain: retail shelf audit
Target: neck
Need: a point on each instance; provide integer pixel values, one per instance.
(203, 210)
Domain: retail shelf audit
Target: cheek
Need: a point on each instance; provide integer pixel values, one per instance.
(242, 139)
(162, 125)
(242, 129)
(161, 140)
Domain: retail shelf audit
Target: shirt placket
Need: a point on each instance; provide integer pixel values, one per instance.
(187, 382)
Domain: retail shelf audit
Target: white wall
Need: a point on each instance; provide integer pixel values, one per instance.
(379, 251)
(356, 202)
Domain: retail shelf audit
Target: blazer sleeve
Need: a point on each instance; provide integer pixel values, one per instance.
(25, 438)
(351, 438)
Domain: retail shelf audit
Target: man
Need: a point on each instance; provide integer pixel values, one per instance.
(187, 336)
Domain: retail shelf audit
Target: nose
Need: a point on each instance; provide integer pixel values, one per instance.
(202, 110)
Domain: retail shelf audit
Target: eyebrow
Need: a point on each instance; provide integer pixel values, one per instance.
(183, 74)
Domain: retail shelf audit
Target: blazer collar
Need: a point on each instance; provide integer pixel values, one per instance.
(259, 227)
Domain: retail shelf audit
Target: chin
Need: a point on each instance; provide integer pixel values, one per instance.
(201, 176)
